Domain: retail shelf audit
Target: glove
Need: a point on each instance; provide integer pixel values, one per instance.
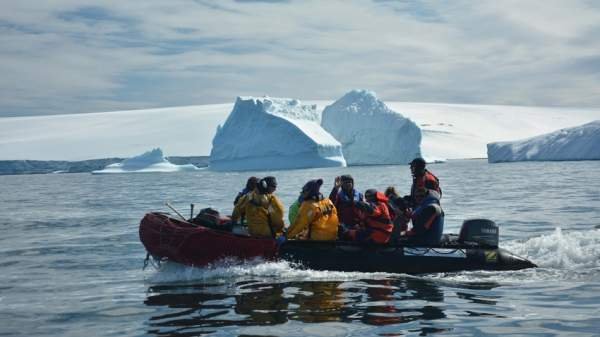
(364, 206)
(280, 240)
(408, 201)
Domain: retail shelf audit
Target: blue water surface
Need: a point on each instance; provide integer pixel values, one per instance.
(71, 261)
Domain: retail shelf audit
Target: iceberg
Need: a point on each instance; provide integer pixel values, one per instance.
(576, 143)
(151, 161)
(273, 133)
(370, 132)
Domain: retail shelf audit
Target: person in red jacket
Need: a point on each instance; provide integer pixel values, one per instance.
(345, 198)
(377, 225)
(423, 180)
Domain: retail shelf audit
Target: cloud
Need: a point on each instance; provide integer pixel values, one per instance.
(62, 57)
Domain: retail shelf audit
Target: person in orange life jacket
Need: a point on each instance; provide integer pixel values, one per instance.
(427, 220)
(422, 180)
(344, 197)
(377, 225)
(250, 186)
(317, 217)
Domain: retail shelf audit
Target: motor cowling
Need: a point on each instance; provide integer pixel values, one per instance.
(481, 231)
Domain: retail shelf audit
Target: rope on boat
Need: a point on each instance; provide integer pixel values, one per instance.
(418, 252)
(152, 260)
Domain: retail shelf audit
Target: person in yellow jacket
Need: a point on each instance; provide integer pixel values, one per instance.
(262, 209)
(317, 218)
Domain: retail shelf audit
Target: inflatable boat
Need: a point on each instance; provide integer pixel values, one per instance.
(475, 248)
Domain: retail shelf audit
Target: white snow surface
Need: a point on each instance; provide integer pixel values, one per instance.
(458, 131)
(370, 132)
(576, 143)
(180, 131)
(273, 133)
(151, 161)
(449, 131)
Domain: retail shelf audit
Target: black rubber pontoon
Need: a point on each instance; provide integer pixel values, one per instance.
(450, 256)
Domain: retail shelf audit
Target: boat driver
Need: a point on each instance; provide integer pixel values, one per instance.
(427, 220)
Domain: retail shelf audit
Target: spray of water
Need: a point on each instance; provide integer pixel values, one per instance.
(564, 250)
(226, 271)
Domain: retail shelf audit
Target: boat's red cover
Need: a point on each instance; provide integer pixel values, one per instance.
(183, 242)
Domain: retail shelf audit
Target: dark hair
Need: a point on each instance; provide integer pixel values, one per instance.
(417, 167)
(390, 192)
(312, 187)
(371, 194)
(418, 163)
(271, 181)
(251, 183)
(346, 177)
(265, 183)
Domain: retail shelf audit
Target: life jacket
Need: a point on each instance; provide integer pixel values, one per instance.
(428, 221)
(240, 194)
(378, 223)
(264, 214)
(347, 211)
(427, 181)
(317, 220)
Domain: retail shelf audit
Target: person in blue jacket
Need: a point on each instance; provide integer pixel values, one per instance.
(427, 220)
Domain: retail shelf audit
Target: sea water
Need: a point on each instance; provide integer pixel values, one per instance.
(71, 260)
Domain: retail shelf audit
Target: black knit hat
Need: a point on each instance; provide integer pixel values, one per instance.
(312, 187)
(266, 182)
(346, 178)
(370, 194)
(271, 181)
(418, 163)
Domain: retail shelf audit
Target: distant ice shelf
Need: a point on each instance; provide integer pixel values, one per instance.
(576, 143)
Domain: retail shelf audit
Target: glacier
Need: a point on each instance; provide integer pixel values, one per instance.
(273, 133)
(89, 141)
(576, 143)
(150, 161)
(370, 132)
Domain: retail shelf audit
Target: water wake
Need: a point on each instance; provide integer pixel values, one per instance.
(565, 250)
(235, 271)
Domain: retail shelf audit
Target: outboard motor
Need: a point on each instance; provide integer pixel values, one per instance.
(481, 231)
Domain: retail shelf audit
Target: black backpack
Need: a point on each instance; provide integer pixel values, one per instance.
(211, 218)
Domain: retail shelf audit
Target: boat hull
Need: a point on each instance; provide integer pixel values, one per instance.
(347, 256)
(186, 243)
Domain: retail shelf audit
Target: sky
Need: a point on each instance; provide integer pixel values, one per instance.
(74, 56)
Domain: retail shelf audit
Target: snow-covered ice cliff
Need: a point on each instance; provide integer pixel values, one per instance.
(370, 132)
(273, 133)
(151, 161)
(576, 143)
